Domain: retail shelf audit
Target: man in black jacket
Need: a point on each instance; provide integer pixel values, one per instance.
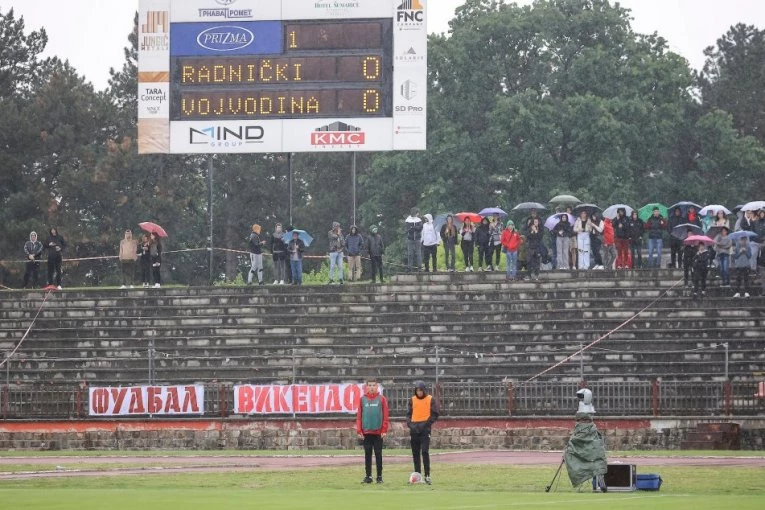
(675, 244)
(33, 252)
(55, 246)
(636, 239)
(421, 413)
(375, 248)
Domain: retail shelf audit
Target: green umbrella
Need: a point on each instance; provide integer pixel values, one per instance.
(646, 211)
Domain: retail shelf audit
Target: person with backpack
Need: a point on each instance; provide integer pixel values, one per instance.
(422, 412)
(372, 422)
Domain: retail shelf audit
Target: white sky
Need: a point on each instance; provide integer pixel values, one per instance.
(91, 34)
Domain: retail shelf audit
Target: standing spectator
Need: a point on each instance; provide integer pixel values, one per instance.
(144, 251)
(688, 254)
(656, 226)
(636, 239)
(622, 231)
(467, 243)
(336, 247)
(414, 240)
(430, 241)
(759, 242)
(55, 246)
(511, 241)
(279, 255)
(573, 250)
(372, 422)
(376, 248)
(296, 248)
(583, 229)
(562, 231)
(256, 255)
(33, 252)
(484, 244)
(422, 412)
(128, 257)
(675, 244)
(449, 237)
(742, 253)
(155, 248)
(721, 220)
(609, 244)
(596, 240)
(692, 217)
(723, 246)
(354, 243)
(749, 223)
(700, 271)
(534, 248)
(533, 214)
(495, 229)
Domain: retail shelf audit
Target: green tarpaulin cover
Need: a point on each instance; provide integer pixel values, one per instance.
(585, 454)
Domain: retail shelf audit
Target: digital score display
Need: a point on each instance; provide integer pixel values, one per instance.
(319, 69)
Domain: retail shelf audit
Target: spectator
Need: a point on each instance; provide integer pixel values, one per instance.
(430, 243)
(449, 237)
(533, 248)
(749, 223)
(484, 244)
(573, 250)
(354, 243)
(759, 242)
(688, 255)
(467, 243)
(675, 244)
(256, 255)
(596, 241)
(583, 229)
(55, 246)
(128, 257)
(376, 248)
(723, 246)
(414, 240)
(155, 249)
(144, 251)
(279, 255)
(296, 248)
(692, 217)
(511, 241)
(622, 231)
(372, 421)
(700, 270)
(742, 252)
(609, 245)
(533, 214)
(495, 229)
(336, 247)
(421, 413)
(562, 231)
(721, 220)
(656, 226)
(33, 252)
(636, 228)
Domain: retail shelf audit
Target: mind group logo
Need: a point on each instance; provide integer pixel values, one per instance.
(222, 136)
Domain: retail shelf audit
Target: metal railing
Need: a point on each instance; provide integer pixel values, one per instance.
(647, 399)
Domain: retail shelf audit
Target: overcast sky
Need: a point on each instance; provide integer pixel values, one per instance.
(91, 34)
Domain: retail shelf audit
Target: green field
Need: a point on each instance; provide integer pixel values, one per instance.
(456, 487)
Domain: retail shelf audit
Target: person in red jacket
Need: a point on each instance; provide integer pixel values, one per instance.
(609, 246)
(511, 241)
(372, 420)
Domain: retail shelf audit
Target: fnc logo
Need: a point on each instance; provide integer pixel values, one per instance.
(219, 136)
(338, 133)
(225, 38)
(410, 11)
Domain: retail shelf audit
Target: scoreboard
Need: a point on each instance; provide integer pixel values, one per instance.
(241, 76)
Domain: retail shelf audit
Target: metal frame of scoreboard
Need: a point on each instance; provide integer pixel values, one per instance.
(249, 76)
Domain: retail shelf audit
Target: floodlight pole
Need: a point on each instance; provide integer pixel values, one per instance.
(210, 209)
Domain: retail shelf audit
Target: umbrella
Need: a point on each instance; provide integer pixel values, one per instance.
(712, 209)
(754, 206)
(153, 228)
(714, 231)
(684, 206)
(565, 200)
(302, 235)
(610, 212)
(527, 206)
(555, 218)
(646, 211)
(440, 220)
(462, 216)
(492, 211)
(686, 229)
(735, 236)
(698, 239)
(590, 208)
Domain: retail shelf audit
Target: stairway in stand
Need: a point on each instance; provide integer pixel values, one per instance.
(713, 436)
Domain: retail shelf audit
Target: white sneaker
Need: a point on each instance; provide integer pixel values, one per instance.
(480, 269)
(123, 287)
(132, 286)
(156, 285)
(736, 295)
(488, 268)
(276, 282)
(471, 269)
(281, 282)
(59, 288)
(746, 294)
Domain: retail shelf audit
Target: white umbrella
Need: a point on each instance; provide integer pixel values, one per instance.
(712, 209)
(754, 206)
(610, 212)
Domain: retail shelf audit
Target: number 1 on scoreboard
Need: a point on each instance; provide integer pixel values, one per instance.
(293, 40)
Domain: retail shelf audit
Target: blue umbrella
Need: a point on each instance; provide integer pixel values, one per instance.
(302, 235)
(735, 236)
(492, 211)
(440, 220)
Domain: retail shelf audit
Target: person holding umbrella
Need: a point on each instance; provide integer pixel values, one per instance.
(495, 229)
(656, 225)
(144, 253)
(55, 246)
(688, 256)
(723, 247)
(675, 244)
(449, 237)
(742, 253)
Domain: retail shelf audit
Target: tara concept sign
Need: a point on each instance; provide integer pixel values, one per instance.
(243, 76)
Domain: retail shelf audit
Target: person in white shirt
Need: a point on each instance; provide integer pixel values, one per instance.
(430, 241)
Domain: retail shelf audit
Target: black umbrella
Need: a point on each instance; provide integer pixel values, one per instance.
(685, 229)
(590, 208)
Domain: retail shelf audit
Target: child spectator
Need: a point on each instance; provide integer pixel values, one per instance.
(372, 422)
(128, 257)
(511, 241)
(742, 253)
(33, 252)
(700, 270)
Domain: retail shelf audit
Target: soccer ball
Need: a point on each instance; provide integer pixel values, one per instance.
(415, 477)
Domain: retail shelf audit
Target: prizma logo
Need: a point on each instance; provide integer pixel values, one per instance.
(225, 38)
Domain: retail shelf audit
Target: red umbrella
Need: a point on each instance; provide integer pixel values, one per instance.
(153, 228)
(698, 239)
(475, 218)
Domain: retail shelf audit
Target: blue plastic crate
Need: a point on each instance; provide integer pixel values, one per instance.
(648, 482)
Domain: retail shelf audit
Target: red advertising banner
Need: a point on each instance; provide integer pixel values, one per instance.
(143, 400)
(297, 398)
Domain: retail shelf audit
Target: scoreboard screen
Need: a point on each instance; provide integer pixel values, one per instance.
(210, 70)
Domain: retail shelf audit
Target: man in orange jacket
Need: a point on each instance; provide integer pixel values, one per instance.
(511, 240)
(372, 420)
(421, 414)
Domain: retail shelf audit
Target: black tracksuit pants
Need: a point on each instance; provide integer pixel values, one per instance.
(421, 446)
(373, 442)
